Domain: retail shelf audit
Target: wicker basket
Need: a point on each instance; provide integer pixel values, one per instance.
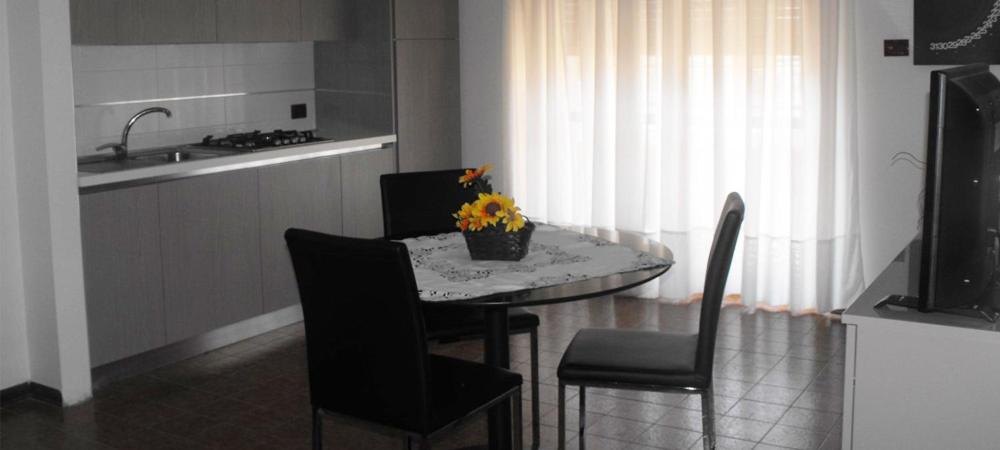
(496, 244)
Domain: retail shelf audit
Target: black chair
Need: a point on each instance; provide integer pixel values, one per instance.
(420, 204)
(654, 361)
(367, 349)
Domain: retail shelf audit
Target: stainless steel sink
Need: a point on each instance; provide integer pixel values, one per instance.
(148, 158)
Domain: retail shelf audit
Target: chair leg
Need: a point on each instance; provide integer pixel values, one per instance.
(518, 436)
(708, 419)
(583, 414)
(317, 437)
(562, 415)
(536, 427)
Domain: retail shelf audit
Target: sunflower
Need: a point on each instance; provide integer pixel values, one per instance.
(472, 175)
(490, 208)
(465, 219)
(514, 221)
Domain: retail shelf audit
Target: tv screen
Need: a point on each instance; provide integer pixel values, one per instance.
(962, 191)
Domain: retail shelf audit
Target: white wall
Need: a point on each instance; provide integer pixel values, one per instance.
(481, 42)
(41, 81)
(13, 337)
(892, 118)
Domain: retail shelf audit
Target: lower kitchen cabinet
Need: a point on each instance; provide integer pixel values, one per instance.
(170, 261)
(303, 194)
(362, 207)
(123, 274)
(210, 235)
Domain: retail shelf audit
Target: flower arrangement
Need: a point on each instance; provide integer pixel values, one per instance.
(493, 225)
(490, 209)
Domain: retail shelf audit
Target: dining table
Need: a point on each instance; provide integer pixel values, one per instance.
(563, 264)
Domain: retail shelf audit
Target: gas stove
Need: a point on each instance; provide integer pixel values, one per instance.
(256, 140)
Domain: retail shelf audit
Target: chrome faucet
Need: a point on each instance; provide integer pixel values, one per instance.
(121, 148)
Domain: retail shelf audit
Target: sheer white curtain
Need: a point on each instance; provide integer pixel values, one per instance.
(641, 115)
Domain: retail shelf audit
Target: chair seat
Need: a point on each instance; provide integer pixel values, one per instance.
(456, 322)
(459, 387)
(632, 357)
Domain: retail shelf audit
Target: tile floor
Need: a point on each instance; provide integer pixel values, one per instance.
(778, 384)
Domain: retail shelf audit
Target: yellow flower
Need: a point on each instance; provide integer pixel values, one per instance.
(514, 221)
(472, 175)
(490, 208)
(464, 217)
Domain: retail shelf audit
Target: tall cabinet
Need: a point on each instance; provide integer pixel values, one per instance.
(428, 122)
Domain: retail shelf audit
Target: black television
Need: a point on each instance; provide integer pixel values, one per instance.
(960, 257)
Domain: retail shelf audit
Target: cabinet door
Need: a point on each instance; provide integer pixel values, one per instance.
(362, 207)
(166, 22)
(426, 19)
(428, 105)
(210, 235)
(122, 272)
(259, 20)
(324, 20)
(304, 194)
(92, 22)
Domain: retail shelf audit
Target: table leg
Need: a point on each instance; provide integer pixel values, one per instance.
(498, 355)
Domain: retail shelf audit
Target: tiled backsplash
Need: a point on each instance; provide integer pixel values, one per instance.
(210, 88)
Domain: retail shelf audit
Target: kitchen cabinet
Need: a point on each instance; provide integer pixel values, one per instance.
(428, 105)
(170, 261)
(426, 19)
(303, 194)
(362, 192)
(210, 235)
(93, 22)
(259, 20)
(165, 22)
(122, 272)
(324, 20)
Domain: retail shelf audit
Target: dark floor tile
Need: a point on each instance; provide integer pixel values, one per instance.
(617, 428)
(791, 437)
(683, 418)
(659, 436)
(764, 412)
(820, 401)
(773, 394)
(744, 429)
(810, 419)
(254, 394)
(639, 411)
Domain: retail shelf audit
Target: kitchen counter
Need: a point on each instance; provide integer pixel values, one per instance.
(95, 182)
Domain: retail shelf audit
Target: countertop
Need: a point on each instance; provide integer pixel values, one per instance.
(901, 277)
(95, 182)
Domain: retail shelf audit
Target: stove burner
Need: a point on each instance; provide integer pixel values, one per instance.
(257, 139)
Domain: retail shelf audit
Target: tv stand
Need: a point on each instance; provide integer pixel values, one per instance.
(910, 302)
(915, 380)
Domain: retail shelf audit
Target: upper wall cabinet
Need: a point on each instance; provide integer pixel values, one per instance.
(426, 19)
(93, 22)
(165, 22)
(324, 20)
(125, 22)
(259, 20)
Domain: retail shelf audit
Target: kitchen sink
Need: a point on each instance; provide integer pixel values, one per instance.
(148, 158)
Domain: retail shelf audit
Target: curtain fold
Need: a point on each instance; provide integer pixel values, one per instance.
(641, 115)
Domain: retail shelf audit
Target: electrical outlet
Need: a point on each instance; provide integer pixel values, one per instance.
(896, 47)
(299, 111)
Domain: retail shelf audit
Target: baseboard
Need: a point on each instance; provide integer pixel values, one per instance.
(188, 348)
(33, 390)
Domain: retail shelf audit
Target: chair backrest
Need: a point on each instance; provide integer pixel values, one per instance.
(365, 341)
(727, 232)
(421, 203)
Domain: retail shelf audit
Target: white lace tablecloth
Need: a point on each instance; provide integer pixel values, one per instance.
(444, 270)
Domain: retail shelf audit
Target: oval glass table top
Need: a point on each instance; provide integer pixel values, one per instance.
(581, 289)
